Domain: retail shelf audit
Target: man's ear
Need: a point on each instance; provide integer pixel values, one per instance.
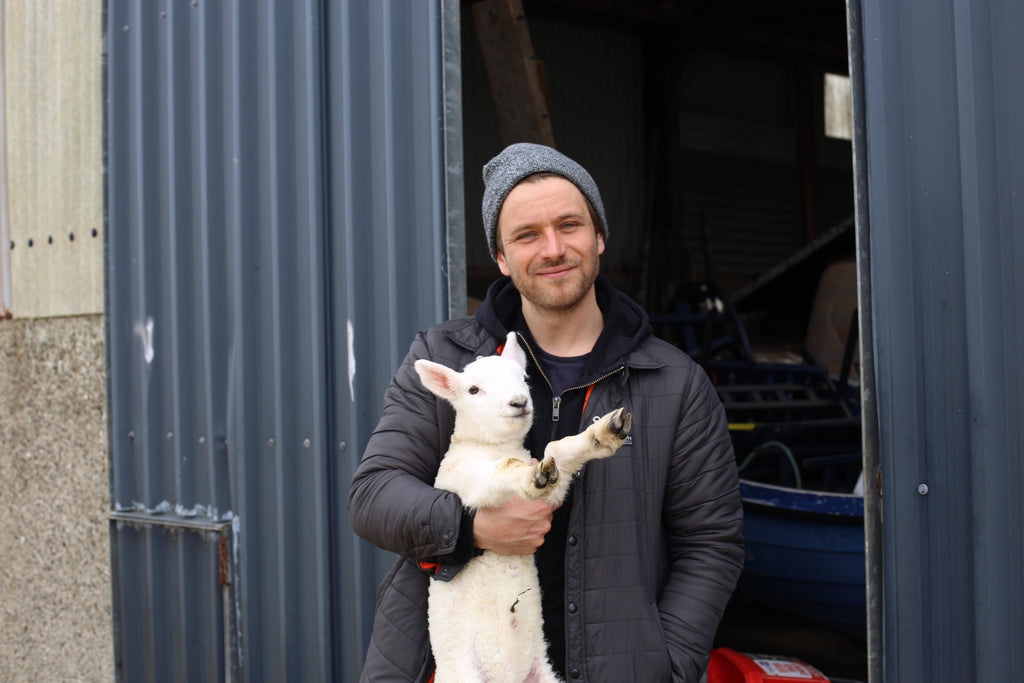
(440, 379)
(502, 263)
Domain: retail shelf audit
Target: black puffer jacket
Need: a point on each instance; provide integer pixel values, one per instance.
(653, 543)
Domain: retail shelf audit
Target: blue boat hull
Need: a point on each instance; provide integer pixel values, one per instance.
(805, 554)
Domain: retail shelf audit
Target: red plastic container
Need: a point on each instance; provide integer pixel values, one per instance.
(729, 666)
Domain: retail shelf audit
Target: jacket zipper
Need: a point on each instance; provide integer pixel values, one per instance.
(603, 377)
(556, 401)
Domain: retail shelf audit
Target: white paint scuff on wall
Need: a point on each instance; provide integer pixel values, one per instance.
(351, 361)
(145, 333)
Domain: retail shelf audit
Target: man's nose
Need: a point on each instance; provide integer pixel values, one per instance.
(552, 244)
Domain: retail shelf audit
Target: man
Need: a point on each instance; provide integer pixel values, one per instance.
(637, 565)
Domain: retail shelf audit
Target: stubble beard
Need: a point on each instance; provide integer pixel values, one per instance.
(563, 296)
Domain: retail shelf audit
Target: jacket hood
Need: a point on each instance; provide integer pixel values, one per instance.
(626, 324)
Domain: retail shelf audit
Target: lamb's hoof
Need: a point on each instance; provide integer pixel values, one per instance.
(612, 429)
(546, 473)
(621, 423)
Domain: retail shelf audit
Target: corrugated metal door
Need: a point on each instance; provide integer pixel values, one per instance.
(942, 188)
(276, 220)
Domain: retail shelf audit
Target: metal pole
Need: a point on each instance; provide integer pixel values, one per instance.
(454, 183)
(869, 415)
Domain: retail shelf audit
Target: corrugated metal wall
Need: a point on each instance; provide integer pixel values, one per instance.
(276, 198)
(942, 183)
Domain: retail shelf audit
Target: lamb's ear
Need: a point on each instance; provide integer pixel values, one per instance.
(440, 379)
(513, 351)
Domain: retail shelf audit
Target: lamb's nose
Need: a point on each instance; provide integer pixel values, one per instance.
(519, 403)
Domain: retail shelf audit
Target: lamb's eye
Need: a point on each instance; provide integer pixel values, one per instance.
(474, 390)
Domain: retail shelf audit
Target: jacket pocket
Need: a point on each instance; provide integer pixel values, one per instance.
(660, 661)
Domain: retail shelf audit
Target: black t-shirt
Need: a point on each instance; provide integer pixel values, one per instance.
(563, 373)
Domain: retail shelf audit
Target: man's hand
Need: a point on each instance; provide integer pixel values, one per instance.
(516, 527)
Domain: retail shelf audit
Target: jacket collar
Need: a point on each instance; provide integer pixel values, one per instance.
(626, 325)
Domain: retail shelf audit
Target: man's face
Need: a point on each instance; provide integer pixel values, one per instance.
(548, 243)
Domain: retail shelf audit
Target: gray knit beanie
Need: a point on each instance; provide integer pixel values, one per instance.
(522, 159)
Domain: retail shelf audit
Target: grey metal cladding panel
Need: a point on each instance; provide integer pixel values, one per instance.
(217, 314)
(275, 206)
(386, 202)
(166, 263)
(386, 172)
(186, 639)
(277, 353)
(945, 153)
(991, 71)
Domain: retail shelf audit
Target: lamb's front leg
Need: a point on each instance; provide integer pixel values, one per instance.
(565, 457)
(550, 477)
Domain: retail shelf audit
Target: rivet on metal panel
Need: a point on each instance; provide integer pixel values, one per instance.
(305, 443)
(125, 28)
(922, 489)
(170, 436)
(131, 435)
(342, 445)
(270, 442)
(202, 440)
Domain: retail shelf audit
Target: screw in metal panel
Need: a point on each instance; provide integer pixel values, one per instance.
(342, 445)
(306, 443)
(202, 440)
(270, 442)
(922, 489)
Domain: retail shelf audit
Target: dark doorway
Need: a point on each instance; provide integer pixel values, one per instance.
(711, 130)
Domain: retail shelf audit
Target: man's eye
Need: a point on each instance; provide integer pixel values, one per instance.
(474, 390)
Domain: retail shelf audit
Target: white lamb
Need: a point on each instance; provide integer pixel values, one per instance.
(486, 624)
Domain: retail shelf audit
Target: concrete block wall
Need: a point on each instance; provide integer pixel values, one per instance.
(55, 596)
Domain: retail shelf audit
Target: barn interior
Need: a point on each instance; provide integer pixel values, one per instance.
(719, 134)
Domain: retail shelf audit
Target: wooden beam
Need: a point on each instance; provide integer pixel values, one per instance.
(518, 80)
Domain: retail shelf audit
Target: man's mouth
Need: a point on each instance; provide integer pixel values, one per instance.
(555, 271)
